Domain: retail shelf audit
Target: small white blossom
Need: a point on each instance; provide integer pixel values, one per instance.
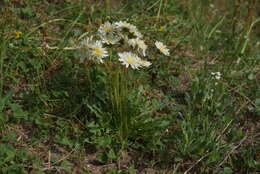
(139, 43)
(124, 24)
(84, 49)
(162, 48)
(98, 52)
(145, 63)
(106, 28)
(132, 29)
(107, 33)
(129, 59)
(110, 39)
(87, 42)
(132, 42)
(216, 75)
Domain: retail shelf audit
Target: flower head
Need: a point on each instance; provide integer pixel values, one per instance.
(107, 33)
(83, 49)
(87, 42)
(97, 51)
(139, 43)
(145, 63)
(18, 34)
(123, 24)
(109, 39)
(162, 28)
(106, 28)
(216, 75)
(163, 49)
(128, 58)
(132, 42)
(131, 28)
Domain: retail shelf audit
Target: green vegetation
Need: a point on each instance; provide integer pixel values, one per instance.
(193, 112)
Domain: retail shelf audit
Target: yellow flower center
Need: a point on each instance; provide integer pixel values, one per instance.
(162, 28)
(130, 60)
(163, 49)
(107, 29)
(18, 34)
(97, 52)
(109, 40)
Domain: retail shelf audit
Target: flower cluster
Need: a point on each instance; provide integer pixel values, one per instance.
(216, 75)
(117, 35)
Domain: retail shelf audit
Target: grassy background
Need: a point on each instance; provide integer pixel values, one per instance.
(190, 122)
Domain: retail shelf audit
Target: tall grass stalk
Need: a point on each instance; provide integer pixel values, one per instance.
(213, 30)
(159, 10)
(247, 36)
(118, 96)
(249, 23)
(107, 6)
(236, 15)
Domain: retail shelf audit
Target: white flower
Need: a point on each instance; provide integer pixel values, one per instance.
(106, 28)
(124, 24)
(85, 43)
(123, 37)
(83, 49)
(109, 39)
(139, 43)
(138, 34)
(162, 48)
(132, 29)
(97, 51)
(128, 58)
(144, 63)
(216, 75)
(107, 33)
(132, 42)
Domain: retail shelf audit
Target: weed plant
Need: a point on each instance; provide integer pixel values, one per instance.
(90, 87)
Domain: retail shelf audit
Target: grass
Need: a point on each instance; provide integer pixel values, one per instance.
(55, 112)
